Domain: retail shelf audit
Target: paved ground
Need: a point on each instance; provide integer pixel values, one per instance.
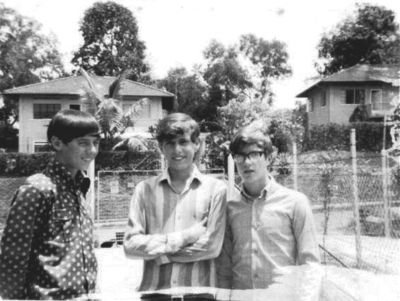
(118, 278)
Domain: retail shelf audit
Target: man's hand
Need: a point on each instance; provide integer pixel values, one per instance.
(157, 245)
(192, 234)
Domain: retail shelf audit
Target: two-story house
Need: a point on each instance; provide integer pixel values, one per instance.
(334, 98)
(38, 103)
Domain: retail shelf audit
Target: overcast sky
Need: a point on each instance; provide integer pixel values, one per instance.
(177, 31)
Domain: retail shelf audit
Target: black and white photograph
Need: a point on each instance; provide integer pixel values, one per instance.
(200, 150)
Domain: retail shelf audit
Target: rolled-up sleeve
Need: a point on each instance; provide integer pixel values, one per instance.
(16, 243)
(138, 244)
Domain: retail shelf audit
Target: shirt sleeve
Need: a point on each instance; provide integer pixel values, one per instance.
(209, 245)
(138, 244)
(16, 243)
(224, 261)
(305, 232)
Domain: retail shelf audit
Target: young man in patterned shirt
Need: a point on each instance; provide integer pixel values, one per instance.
(177, 219)
(268, 226)
(47, 248)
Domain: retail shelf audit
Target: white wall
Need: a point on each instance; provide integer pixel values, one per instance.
(35, 130)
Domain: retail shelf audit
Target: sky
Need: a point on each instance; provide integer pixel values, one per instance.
(177, 31)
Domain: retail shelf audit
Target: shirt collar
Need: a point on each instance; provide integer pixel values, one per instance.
(63, 176)
(195, 175)
(269, 188)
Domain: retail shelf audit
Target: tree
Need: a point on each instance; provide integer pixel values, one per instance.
(26, 56)
(371, 36)
(111, 43)
(268, 59)
(244, 70)
(116, 125)
(225, 76)
(190, 91)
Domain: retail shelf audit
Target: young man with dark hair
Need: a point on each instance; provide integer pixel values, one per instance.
(47, 248)
(177, 219)
(268, 226)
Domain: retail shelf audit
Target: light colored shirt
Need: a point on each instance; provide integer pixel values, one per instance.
(47, 248)
(264, 234)
(157, 218)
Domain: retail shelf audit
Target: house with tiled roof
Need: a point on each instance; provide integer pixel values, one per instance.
(38, 103)
(372, 89)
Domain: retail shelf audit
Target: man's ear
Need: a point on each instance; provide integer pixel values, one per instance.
(56, 143)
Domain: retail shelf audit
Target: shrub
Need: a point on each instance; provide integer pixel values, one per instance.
(369, 137)
(23, 164)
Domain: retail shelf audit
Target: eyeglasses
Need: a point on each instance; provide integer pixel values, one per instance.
(240, 158)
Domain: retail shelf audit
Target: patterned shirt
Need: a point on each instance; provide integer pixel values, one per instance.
(46, 249)
(157, 210)
(263, 234)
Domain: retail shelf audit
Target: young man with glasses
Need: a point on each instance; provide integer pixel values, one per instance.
(268, 226)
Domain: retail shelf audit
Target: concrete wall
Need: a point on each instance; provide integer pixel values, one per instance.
(337, 111)
(33, 131)
(320, 114)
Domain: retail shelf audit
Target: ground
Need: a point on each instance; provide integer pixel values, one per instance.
(119, 277)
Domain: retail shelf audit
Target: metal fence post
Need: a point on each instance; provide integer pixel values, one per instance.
(356, 211)
(385, 194)
(231, 177)
(91, 193)
(294, 165)
(162, 162)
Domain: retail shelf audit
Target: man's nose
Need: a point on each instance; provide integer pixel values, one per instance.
(93, 148)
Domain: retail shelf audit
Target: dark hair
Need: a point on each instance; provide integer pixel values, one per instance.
(70, 124)
(176, 124)
(251, 135)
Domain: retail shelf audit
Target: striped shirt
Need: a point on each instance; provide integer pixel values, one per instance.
(157, 218)
(264, 234)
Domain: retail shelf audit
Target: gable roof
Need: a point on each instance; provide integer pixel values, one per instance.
(77, 85)
(361, 73)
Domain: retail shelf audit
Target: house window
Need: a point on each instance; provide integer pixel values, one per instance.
(311, 103)
(75, 107)
(41, 147)
(376, 100)
(323, 98)
(355, 96)
(45, 110)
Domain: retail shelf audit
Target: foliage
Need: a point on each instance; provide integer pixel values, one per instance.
(26, 56)
(190, 90)
(269, 59)
(111, 43)
(369, 137)
(242, 71)
(237, 114)
(23, 164)
(370, 35)
(116, 125)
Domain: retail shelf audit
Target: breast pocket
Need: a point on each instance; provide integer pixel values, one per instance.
(63, 224)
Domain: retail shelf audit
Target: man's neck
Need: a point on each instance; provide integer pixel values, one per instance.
(180, 176)
(254, 189)
(71, 170)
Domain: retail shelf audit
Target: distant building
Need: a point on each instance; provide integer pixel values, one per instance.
(372, 88)
(38, 103)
